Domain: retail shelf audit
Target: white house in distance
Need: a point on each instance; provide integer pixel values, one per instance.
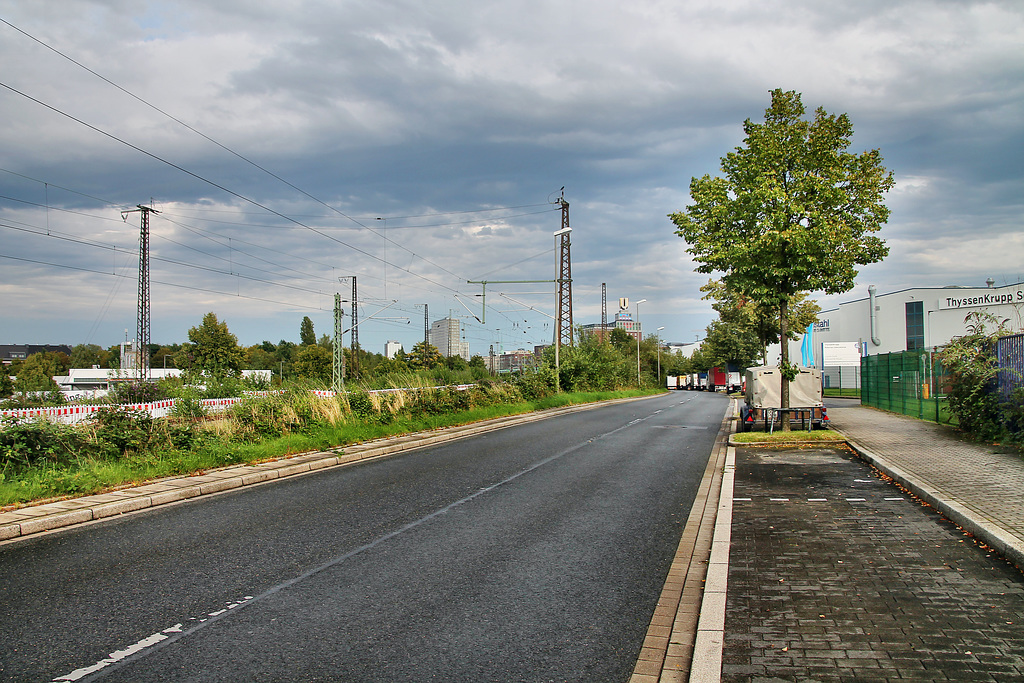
(920, 318)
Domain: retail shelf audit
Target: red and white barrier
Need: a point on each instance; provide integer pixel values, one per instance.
(76, 414)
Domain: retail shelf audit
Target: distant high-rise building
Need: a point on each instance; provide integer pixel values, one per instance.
(446, 336)
(391, 348)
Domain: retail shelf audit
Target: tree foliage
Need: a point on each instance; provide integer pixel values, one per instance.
(212, 350)
(36, 372)
(971, 362)
(749, 318)
(424, 356)
(307, 337)
(314, 362)
(794, 212)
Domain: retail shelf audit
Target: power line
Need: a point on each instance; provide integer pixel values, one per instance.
(221, 187)
(159, 282)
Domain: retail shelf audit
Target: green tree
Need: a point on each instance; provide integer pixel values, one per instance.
(424, 356)
(794, 212)
(748, 317)
(307, 337)
(6, 385)
(212, 350)
(314, 362)
(88, 355)
(621, 339)
(36, 372)
(728, 344)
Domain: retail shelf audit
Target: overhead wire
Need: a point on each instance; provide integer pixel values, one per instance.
(290, 219)
(234, 153)
(160, 282)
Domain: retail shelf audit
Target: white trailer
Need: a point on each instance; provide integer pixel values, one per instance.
(764, 398)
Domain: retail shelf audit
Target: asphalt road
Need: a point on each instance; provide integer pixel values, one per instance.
(533, 553)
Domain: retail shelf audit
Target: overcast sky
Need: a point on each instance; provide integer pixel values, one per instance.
(421, 145)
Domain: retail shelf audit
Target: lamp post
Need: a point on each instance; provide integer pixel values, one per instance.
(659, 354)
(639, 332)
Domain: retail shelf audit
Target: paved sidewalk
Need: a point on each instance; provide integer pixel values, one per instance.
(974, 485)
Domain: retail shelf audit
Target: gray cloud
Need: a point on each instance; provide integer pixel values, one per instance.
(400, 109)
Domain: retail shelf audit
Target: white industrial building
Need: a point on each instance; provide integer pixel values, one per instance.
(908, 319)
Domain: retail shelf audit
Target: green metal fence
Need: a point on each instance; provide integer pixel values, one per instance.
(911, 382)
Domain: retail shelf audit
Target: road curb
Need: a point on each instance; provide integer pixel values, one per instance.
(674, 651)
(1003, 541)
(35, 519)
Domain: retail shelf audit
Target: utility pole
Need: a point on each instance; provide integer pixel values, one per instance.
(564, 323)
(339, 352)
(355, 329)
(604, 312)
(426, 328)
(143, 329)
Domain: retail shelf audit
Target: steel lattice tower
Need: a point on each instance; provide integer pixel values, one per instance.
(564, 333)
(339, 352)
(604, 311)
(143, 326)
(355, 329)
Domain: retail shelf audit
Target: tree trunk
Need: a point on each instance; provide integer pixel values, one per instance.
(784, 363)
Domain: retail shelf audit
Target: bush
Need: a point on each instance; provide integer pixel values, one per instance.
(127, 393)
(121, 432)
(24, 443)
(973, 367)
(189, 405)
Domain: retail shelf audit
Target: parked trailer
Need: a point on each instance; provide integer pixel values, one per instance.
(675, 382)
(717, 380)
(763, 399)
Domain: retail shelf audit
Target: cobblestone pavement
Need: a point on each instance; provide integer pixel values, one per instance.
(981, 482)
(837, 574)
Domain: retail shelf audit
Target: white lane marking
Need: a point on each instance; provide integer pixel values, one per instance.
(168, 636)
(864, 481)
(115, 657)
(746, 499)
(817, 500)
(895, 498)
(856, 500)
(779, 500)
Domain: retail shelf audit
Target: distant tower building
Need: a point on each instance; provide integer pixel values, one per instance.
(391, 348)
(446, 336)
(624, 321)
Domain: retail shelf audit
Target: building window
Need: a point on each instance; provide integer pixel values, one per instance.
(915, 325)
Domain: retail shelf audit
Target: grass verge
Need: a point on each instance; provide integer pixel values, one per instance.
(87, 476)
(796, 436)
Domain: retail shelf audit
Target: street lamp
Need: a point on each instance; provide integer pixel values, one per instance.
(659, 355)
(638, 334)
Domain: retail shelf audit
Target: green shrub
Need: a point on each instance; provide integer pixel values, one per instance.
(120, 432)
(26, 443)
(137, 392)
(189, 405)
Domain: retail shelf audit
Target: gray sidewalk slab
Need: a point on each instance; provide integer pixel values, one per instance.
(978, 486)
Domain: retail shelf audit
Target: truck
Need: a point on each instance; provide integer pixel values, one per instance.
(763, 399)
(727, 380)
